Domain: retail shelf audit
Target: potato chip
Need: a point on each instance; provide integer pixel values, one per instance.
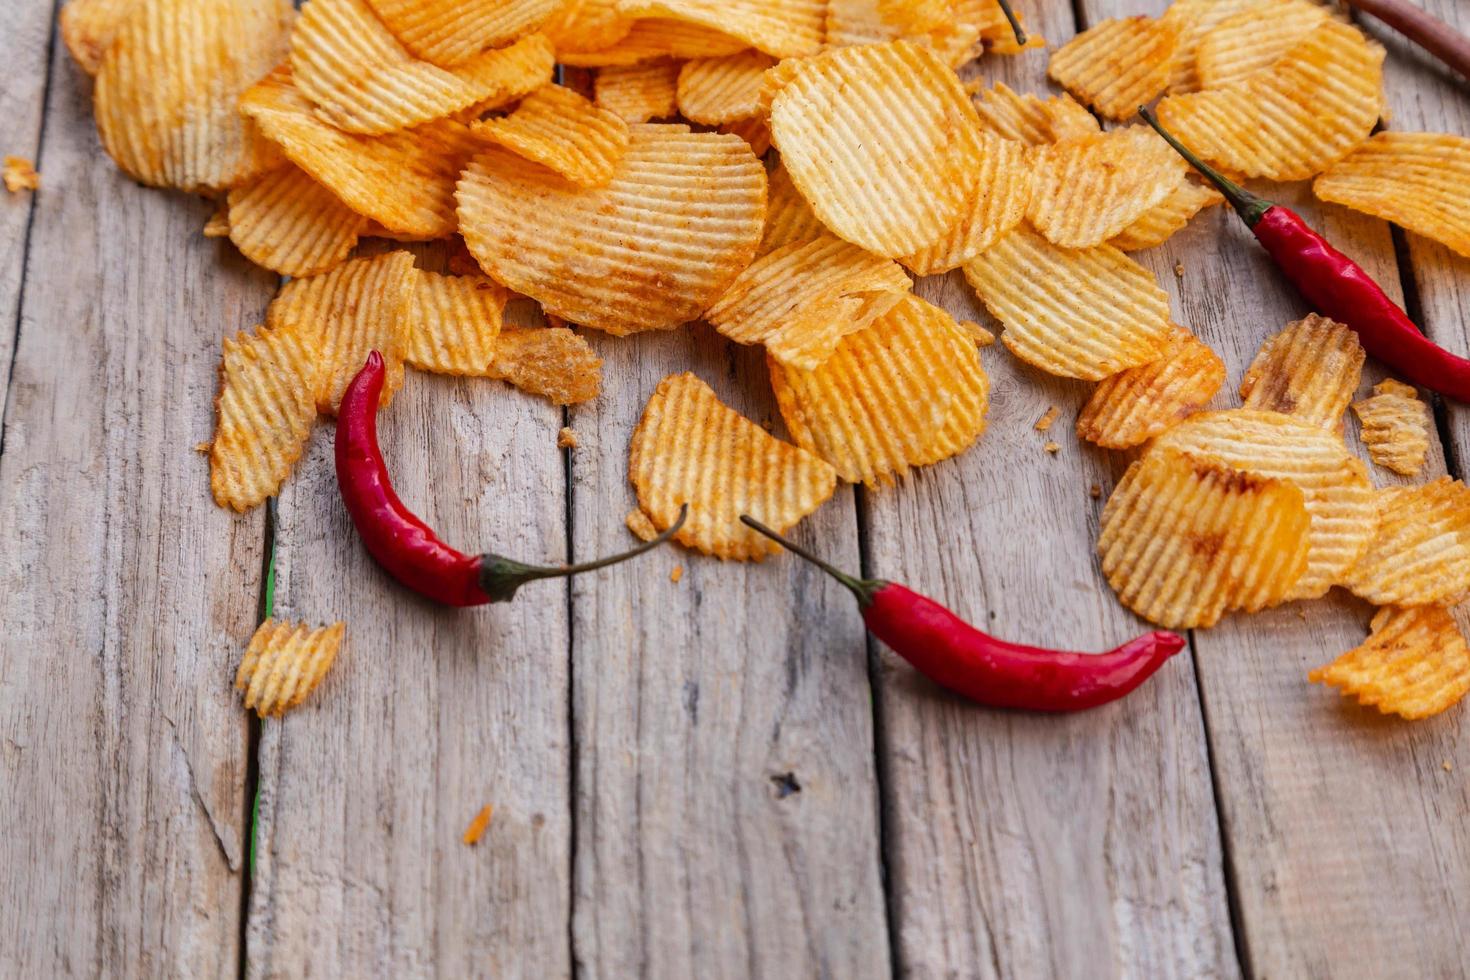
(1339, 496)
(1078, 313)
(754, 131)
(88, 27)
(454, 322)
(452, 32)
(1310, 371)
(916, 16)
(1420, 554)
(218, 225)
(780, 28)
(1159, 223)
(1194, 20)
(1030, 119)
(1253, 40)
(1418, 180)
(907, 391)
(19, 175)
(166, 91)
(1135, 405)
(288, 223)
(263, 414)
(649, 251)
(1396, 427)
(1087, 189)
(640, 525)
(284, 663)
(561, 130)
(1416, 664)
(850, 22)
(879, 141)
(690, 448)
(652, 37)
(640, 92)
(1118, 65)
(1292, 120)
(1186, 539)
(788, 217)
(1000, 200)
(722, 90)
(580, 26)
(552, 362)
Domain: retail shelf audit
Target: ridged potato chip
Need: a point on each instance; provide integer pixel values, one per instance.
(264, 412)
(561, 130)
(689, 448)
(1339, 496)
(218, 225)
(88, 27)
(1396, 427)
(754, 131)
(788, 217)
(580, 26)
(850, 22)
(1310, 371)
(1118, 65)
(780, 28)
(916, 16)
(1292, 120)
(1418, 180)
(1420, 555)
(878, 141)
(1194, 20)
(552, 362)
(1087, 189)
(1030, 119)
(1135, 405)
(451, 32)
(639, 92)
(650, 250)
(285, 221)
(654, 37)
(1186, 539)
(1415, 664)
(167, 87)
(722, 90)
(1077, 313)
(1002, 193)
(907, 391)
(284, 663)
(454, 322)
(1159, 223)
(1254, 39)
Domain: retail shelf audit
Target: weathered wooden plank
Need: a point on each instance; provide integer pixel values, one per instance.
(125, 593)
(1024, 845)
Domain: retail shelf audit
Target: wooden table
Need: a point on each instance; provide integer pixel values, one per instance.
(718, 777)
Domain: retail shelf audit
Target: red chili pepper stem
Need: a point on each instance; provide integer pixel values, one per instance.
(1251, 207)
(1016, 28)
(863, 589)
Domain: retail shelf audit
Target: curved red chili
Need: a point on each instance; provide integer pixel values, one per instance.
(1338, 287)
(406, 546)
(989, 671)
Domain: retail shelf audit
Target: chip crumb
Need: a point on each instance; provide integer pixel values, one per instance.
(1178, 270)
(1448, 766)
(20, 175)
(640, 525)
(982, 336)
(1095, 491)
(1053, 447)
(677, 573)
(203, 447)
(566, 438)
(1044, 423)
(477, 827)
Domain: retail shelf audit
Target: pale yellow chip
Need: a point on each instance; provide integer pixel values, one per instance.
(168, 86)
(580, 26)
(1030, 119)
(454, 322)
(404, 181)
(754, 131)
(1135, 405)
(1415, 664)
(802, 299)
(360, 306)
(263, 414)
(1397, 427)
(285, 221)
(640, 92)
(907, 391)
(788, 217)
(1194, 20)
(690, 448)
(1339, 495)
(284, 663)
(1118, 65)
(780, 28)
(552, 362)
(715, 91)
(648, 251)
(452, 32)
(1420, 554)
(1253, 40)
(19, 175)
(1159, 223)
(562, 131)
(1002, 193)
(88, 27)
(1186, 539)
(1089, 188)
(653, 37)
(1418, 180)
(879, 141)
(1292, 120)
(1310, 371)
(1077, 313)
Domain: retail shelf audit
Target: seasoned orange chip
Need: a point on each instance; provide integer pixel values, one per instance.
(580, 26)
(654, 37)
(552, 362)
(288, 223)
(1135, 405)
(788, 217)
(722, 90)
(1159, 223)
(641, 92)
(1118, 65)
(454, 322)
(1253, 39)
(452, 32)
(561, 130)
(20, 175)
(689, 448)
(88, 27)
(850, 22)
(284, 663)
(754, 131)
(1396, 427)
(1420, 555)
(1089, 188)
(1030, 119)
(1194, 20)
(780, 28)
(1415, 664)
(1001, 196)
(1310, 371)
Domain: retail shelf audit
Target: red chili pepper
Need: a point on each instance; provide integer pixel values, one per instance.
(956, 655)
(1337, 287)
(406, 546)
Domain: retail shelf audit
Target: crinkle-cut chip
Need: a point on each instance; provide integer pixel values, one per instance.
(1335, 483)
(19, 174)
(563, 131)
(640, 525)
(1089, 188)
(452, 32)
(1310, 371)
(88, 27)
(850, 22)
(879, 141)
(657, 37)
(1420, 554)
(1077, 313)
(639, 92)
(802, 299)
(1030, 119)
(648, 251)
(1135, 405)
(754, 131)
(167, 90)
(263, 414)
(360, 306)
(722, 90)
(1000, 200)
(553, 362)
(916, 16)
(1415, 664)
(780, 28)
(454, 322)
(1194, 20)
(777, 77)
(285, 221)
(907, 391)
(1396, 427)
(1418, 180)
(218, 225)
(788, 217)
(1186, 539)
(1292, 120)
(690, 448)
(1159, 223)
(1118, 65)
(1254, 39)
(284, 663)
(580, 26)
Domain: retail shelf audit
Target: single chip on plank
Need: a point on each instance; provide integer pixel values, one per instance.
(452, 32)
(284, 663)
(1000, 199)
(1310, 371)
(562, 131)
(788, 217)
(1254, 39)
(1030, 119)
(655, 37)
(285, 221)
(715, 91)
(1415, 664)
(454, 322)
(552, 362)
(641, 92)
(1396, 427)
(1135, 405)
(780, 28)
(1194, 20)
(1159, 223)
(1118, 65)
(1420, 553)
(689, 448)
(1087, 189)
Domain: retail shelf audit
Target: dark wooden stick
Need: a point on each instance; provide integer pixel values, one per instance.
(1429, 32)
